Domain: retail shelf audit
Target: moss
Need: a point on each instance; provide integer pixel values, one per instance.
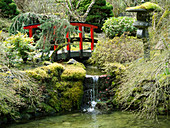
(73, 73)
(147, 6)
(44, 72)
(63, 93)
(78, 64)
(37, 74)
(66, 95)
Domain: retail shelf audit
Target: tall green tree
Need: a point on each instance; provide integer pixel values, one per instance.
(8, 9)
(100, 11)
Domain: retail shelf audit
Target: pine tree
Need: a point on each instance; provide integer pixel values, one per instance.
(8, 9)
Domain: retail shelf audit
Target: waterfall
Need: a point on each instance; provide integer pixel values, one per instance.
(90, 92)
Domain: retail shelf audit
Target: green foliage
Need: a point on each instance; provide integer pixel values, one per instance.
(18, 46)
(8, 9)
(120, 49)
(159, 33)
(53, 29)
(99, 12)
(26, 19)
(148, 84)
(114, 69)
(117, 26)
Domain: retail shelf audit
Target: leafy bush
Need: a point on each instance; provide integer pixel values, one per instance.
(17, 91)
(117, 26)
(120, 49)
(8, 9)
(18, 46)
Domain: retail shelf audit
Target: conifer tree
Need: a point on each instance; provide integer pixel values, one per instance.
(99, 12)
(8, 9)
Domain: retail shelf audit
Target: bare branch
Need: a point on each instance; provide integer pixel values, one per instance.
(78, 4)
(72, 10)
(88, 9)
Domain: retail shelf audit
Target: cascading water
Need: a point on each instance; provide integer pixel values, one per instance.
(90, 92)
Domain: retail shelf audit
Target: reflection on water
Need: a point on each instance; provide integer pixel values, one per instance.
(83, 120)
(91, 70)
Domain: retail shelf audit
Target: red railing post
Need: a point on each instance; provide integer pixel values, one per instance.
(30, 32)
(81, 41)
(92, 39)
(68, 45)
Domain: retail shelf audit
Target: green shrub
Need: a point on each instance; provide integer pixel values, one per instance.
(18, 46)
(8, 9)
(117, 26)
(120, 49)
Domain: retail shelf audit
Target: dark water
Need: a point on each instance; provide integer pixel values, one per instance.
(79, 120)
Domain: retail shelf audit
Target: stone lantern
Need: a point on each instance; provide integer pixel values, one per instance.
(143, 22)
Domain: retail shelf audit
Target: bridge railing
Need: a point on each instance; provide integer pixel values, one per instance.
(71, 40)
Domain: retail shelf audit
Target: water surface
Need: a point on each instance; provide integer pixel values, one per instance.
(82, 120)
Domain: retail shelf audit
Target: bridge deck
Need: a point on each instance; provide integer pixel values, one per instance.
(73, 54)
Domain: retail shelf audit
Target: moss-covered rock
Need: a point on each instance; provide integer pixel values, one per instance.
(73, 72)
(147, 6)
(45, 93)
(45, 72)
(66, 95)
(64, 85)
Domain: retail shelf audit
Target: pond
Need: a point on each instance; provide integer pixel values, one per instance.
(93, 70)
(116, 119)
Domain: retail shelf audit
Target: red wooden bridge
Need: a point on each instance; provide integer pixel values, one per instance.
(68, 53)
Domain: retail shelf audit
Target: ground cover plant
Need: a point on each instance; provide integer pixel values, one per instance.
(145, 88)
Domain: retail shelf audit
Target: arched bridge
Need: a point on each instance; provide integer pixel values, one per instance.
(68, 53)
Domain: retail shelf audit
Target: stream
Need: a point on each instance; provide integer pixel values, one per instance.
(89, 117)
